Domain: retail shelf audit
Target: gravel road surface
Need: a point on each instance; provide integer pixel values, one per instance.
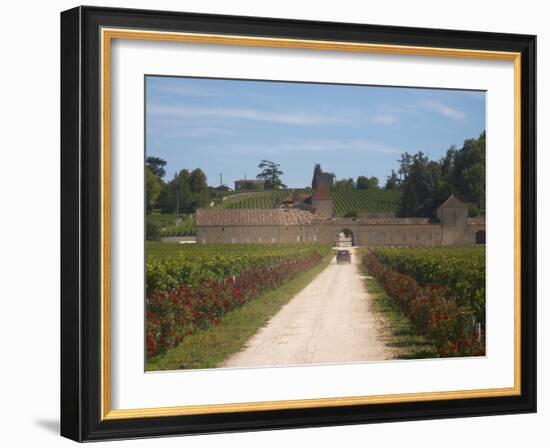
(329, 321)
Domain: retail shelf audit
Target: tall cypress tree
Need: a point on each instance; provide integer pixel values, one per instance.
(316, 173)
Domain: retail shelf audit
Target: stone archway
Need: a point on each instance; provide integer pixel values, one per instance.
(345, 238)
(480, 237)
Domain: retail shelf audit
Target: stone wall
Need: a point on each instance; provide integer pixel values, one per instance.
(363, 235)
(471, 232)
(323, 208)
(256, 234)
(401, 235)
(453, 229)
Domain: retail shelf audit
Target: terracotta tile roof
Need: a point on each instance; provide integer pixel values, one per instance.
(253, 217)
(321, 193)
(453, 202)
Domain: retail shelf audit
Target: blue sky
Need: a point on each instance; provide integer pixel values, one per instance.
(228, 126)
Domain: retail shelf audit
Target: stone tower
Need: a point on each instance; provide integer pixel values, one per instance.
(453, 215)
(322, 202)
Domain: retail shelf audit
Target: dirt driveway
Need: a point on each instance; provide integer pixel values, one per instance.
(329, 321)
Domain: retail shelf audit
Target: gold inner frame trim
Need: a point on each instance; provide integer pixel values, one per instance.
(107, 35)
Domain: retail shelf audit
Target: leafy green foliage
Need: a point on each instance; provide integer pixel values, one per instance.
(460, 269)
(392, 181)
(437, 291)
(187, 191)
(344, 185)
(156, 165)
(271, 174)
(190, 287)
(367, 183)
(207, 348)
(152, 229)
(170, 265)
(427, 184)
(152, 189)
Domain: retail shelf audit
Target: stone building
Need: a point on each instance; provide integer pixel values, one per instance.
(311, 219)
(322, 202)
(249, 184)
(328, 179)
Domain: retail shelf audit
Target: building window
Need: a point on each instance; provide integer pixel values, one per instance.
(223, 228)
(417, 237)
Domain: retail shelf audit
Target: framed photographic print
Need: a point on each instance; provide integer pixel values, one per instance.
(273, 223)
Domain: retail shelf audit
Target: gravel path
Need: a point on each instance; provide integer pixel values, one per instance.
(329, 321)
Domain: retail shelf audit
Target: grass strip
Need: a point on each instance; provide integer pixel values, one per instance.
(397, 330)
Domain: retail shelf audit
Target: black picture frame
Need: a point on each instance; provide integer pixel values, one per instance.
(81, 224)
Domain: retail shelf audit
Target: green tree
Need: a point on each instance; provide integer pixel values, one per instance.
(367, 183)
(405, 163)
(345, 184)
(418, 186)
(199, 189)
(152, 189)
(427, 184)
(156, 165)
(271, 174)
(464, 170)
(392, 181)
(409, 201)
(181, 192)
(152, 228)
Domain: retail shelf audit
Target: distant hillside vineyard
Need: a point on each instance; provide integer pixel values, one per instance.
(365, 201)
(255, 199)
(360, 201)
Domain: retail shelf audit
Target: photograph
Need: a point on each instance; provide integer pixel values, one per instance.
(274, 223)
(301, 223)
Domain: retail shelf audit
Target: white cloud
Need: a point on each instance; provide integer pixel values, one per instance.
(444, 110)
(293, 118)
(185, 132)
(189, 91)
(314, 146)
(385, 119)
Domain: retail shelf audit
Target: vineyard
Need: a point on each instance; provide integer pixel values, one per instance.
(260, 199)
(191, 287)
(185, 228)
(365, 201)
(460, 269)
(441, 289)
(360, 201)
